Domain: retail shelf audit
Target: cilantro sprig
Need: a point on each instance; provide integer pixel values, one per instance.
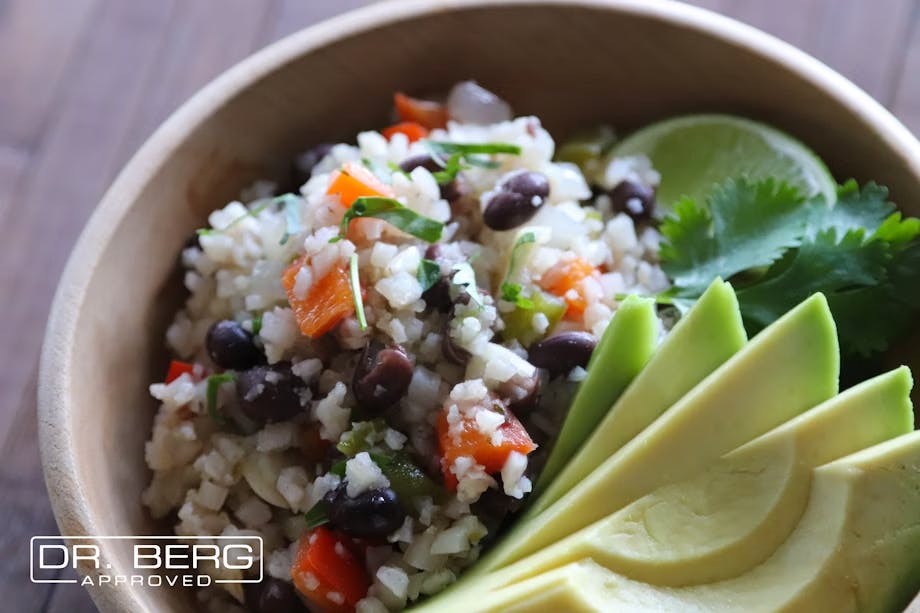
(454, 157)
(777, 248)
(396, 214)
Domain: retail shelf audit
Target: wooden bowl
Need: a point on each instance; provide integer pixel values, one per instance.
(571, 62)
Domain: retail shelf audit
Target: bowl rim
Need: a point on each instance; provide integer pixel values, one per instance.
(56, 433)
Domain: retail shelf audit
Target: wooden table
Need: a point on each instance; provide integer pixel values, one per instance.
(84, 82)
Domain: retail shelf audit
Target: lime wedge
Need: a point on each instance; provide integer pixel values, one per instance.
(695, 152)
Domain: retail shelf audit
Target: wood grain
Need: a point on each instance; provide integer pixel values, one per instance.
(85, 81)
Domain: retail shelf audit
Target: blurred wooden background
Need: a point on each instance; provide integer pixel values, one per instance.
(84, 82)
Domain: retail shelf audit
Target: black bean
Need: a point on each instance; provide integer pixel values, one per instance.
(270, 393)
(517, 200)
(454, 353)
(371, 514)
(633, 198)
(308, 160)
(437, 296)
(273, 596)
(561, 353)
(382, 376)
(521, 394)
(434, 252)
(232, 346)
(450, 191)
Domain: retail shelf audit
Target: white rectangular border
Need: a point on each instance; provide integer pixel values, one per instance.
(144, 538)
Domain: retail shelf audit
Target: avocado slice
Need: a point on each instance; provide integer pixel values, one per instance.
(739, 510)
(709, 334)
(789, 367)
(856, 548)
(623, 350)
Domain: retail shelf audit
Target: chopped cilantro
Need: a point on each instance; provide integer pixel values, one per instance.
(393, 212)
(429, 273)
(214, 383)
(454, 157)
(318, 515)
(355, 283)
(778, 248)
(446, 148)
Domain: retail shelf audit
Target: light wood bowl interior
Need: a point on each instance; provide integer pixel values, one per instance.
(572, 63)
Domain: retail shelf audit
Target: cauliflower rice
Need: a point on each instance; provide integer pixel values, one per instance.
(454, 356)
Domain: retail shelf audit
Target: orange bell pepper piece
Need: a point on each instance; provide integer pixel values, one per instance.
(565, 280)
(474, 443)
(413, 131)
(328, 573)
(328, 301)
(355, 181)
(429, 114)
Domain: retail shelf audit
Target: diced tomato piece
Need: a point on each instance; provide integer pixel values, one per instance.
(328, 301)
(328, 573)
(413, 131)
(355, 181)
(470, 441)
(565, 280)
(425, 112)
(177, 368)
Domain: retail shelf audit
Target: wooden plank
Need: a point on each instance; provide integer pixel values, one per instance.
(906, 95)
(23, 507)
(13, 164)
(68, 174)
(292, 15)
(37, 40)
(205, 38)
(860, 39)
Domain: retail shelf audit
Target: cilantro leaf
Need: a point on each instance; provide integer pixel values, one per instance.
(429, 273)
(746, 225)
(819, 265)
(513, 292)
(860, 253)
(318, 515)
(855, 209)
(448, 148)
(393, 212)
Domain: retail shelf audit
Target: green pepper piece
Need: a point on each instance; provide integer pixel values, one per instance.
(360, 437)
(406, 479)
(519, 322)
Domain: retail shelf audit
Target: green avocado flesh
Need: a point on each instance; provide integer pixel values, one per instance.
(734, 514)
(709, 334)
(756, 489)
(621, 353)
(738, 402)
(855, 549)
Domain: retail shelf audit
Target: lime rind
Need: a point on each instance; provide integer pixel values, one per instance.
(693, 153)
